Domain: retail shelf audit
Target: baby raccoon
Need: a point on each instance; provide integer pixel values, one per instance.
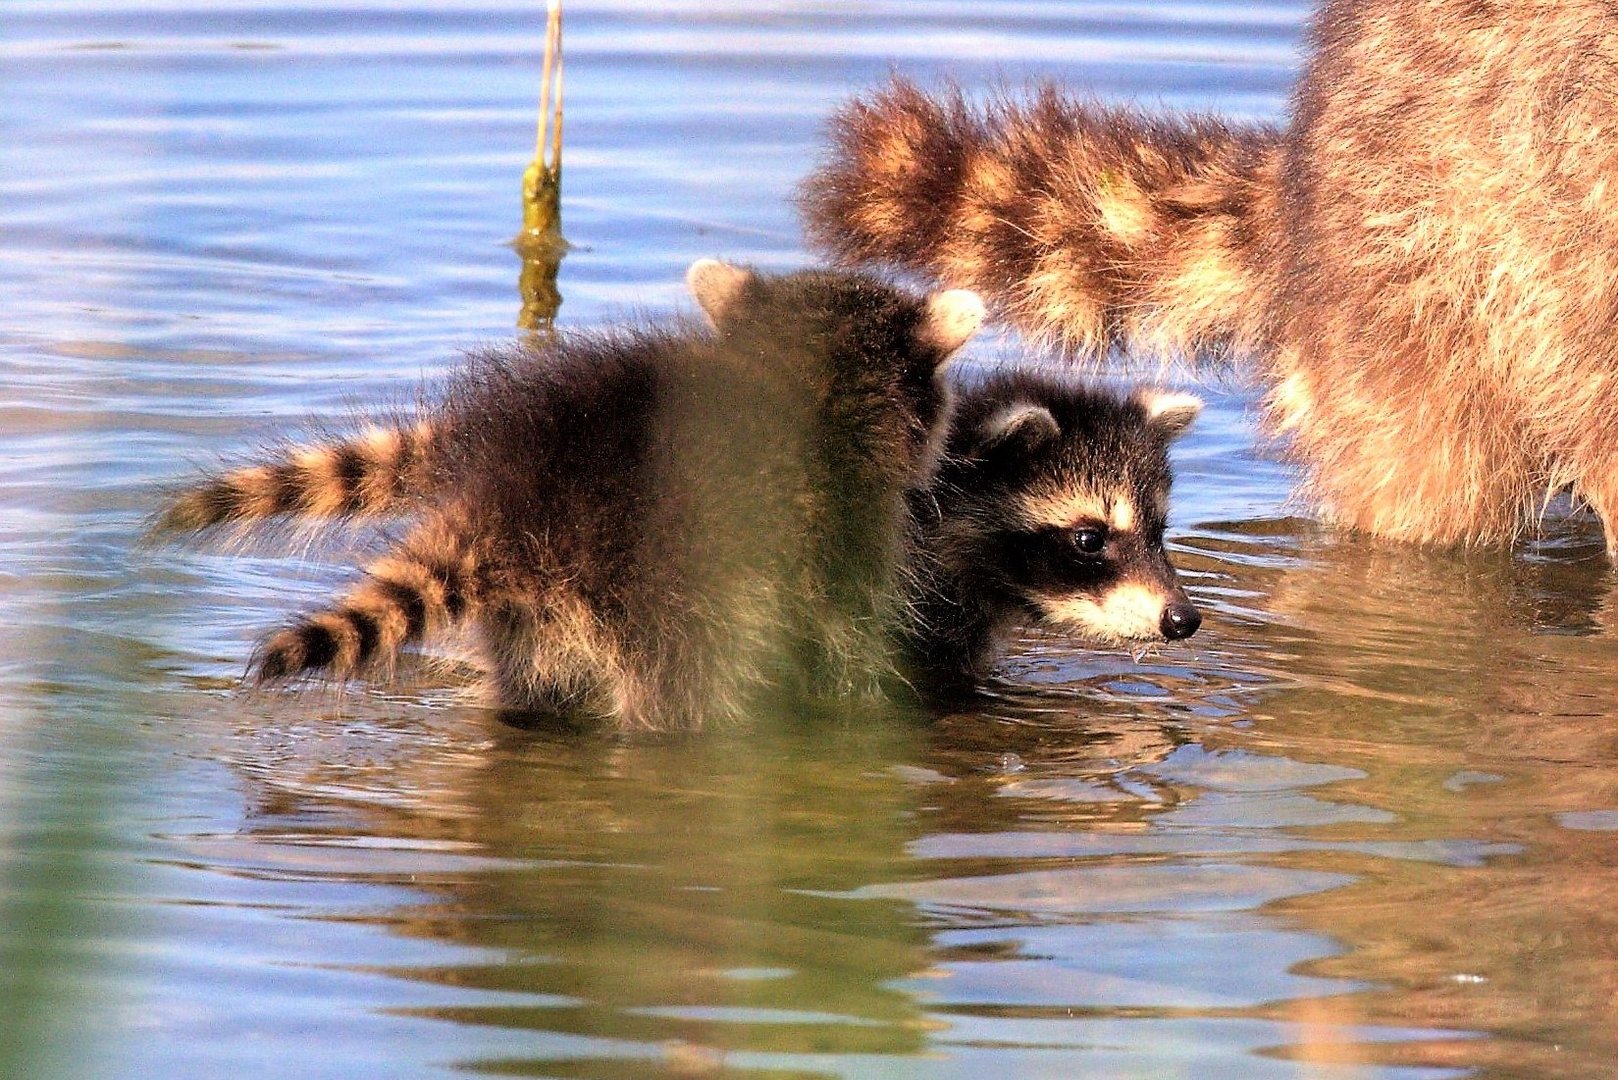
(1048, 507)
(646, 528)
(1420, 262)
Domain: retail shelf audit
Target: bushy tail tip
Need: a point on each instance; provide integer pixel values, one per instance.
(404, 598)
(1090, 227)
(370, 474)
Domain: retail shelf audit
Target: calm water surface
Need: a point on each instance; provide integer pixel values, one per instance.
(1362, 827)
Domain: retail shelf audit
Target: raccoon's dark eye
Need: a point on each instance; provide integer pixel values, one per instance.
(1090, 539)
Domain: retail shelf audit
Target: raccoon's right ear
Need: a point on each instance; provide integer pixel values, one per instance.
(1022, 427)
(716, 285)
(1168, 411)
(953, 316)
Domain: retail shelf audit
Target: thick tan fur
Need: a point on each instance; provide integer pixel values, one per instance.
(1089, 227)
(1421, 265)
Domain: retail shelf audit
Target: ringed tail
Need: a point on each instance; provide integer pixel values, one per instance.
(1089, 227)
(371, 474)
(423, 587)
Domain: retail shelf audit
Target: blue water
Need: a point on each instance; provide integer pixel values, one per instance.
(1359, 827)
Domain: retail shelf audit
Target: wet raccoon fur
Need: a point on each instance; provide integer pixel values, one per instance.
(1421, 263)
(645, 528)
(1048, 508)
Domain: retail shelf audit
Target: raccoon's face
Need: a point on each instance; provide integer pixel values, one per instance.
(1103, 574)
(1082, 480)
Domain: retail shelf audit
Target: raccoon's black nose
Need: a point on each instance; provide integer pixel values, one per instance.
(1179, 621)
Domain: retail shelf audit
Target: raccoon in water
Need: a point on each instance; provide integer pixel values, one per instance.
(642, 528)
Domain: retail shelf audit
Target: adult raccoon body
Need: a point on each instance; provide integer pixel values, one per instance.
(1048, 509)
(1420, 263)
(647, 528)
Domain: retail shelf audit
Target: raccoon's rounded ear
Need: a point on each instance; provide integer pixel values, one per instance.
(1170, 412)
(951, 320)
(1022, 426)
(715, 285)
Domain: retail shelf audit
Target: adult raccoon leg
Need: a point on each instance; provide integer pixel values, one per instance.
(1597, 488)
(428, 583)
(1409, 466)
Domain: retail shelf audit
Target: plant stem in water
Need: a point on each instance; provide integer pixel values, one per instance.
(540, 243)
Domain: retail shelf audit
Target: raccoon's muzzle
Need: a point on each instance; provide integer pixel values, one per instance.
(1180, 620)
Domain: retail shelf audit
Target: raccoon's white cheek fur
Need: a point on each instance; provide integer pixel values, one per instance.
(1122, 613)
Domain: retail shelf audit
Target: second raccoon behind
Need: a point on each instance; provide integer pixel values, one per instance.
(1419, 263)
(1048, 509)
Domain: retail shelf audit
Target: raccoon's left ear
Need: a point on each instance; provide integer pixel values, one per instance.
(1022, 426)
(716, 285)
(951, 320)
(1169, 412)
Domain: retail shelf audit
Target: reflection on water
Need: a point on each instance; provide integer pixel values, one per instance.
(536, 281)
(664, 898)
(1361, 826)
(1475, 694)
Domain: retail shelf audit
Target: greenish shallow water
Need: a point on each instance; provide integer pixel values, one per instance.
(1362, 827)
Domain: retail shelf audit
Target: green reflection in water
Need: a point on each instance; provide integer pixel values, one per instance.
(667, 899)
(1329, 837)
(62, 801)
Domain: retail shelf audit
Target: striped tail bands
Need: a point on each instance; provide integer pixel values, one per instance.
(369, 475)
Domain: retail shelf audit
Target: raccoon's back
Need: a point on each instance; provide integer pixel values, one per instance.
(552, 440)
(645, 465)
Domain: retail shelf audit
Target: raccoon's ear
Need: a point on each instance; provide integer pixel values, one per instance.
(716, 285)
(1022, 426)
(1169, 412)
(951, 320)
